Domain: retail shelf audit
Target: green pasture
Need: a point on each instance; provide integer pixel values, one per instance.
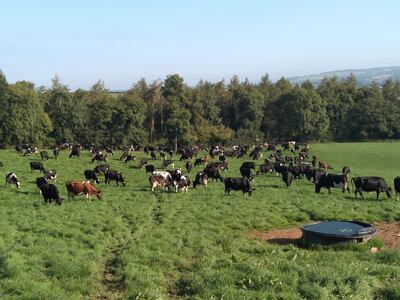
(135, 244)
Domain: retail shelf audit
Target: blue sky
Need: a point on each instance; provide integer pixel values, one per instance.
(122, 41)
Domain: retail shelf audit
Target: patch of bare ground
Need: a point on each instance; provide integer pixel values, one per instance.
(388, 232)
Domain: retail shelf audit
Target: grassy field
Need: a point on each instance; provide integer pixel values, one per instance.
(134, 244)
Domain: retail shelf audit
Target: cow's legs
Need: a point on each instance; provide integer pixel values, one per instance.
(377, 195)
(329, 190)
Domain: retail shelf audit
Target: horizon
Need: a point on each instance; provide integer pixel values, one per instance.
(122, 43)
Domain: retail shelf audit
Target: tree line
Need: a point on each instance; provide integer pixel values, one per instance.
(170, 112)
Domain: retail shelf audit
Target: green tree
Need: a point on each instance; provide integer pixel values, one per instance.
(177, 112)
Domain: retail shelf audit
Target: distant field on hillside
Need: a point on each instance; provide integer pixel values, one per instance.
(135, 244)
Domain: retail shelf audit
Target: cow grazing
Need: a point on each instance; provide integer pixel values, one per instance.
(159, 180)
(249, 164)
(149, 168)
(91, 175)
(188, 166)
(12, 180)
(213, 173)
(129, 158)
(371, 184)
(99, 157)
(221, 165)
(201, 179)
(143, 162)
(266, 168)
(246, 173)
(176, 175)
(168, 163)
(287, 178)
(101, 168)
(329, 181)
(183, 184)
(35, 165)
(114, 175)
(50, 192)
(75, 152)
(50, 175)
(237, 184)
(56, 152)
(40, 181)
(397, 186)
(324, 165)
(200, 161)
(44, 155)
(75, 188)
(153, 155)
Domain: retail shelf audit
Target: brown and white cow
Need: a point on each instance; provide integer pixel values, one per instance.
(75, 188)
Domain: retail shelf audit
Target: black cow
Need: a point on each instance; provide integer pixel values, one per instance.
(75, 152)
(266, 168)
(44, 155)
(329, 181)
(99, 157)
(56, 152)
(114, 175)
(143, 162)
(249, 164)
(35, 165)
(50, 192)
(199, 161)
(346, 170)
(201, 179)
(188, 166)
(149, 168)
(287, 178)
(213, 173)
(237, 184)
(371, 184)
(397, 186)
(153, 155)
(129, 157)
(12, 179)
(91, 175)
(246, 173)
(101, 168)
(39, 182)
(222, 158)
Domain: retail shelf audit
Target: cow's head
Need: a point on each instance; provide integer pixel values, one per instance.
(389, 192)
(317, 187)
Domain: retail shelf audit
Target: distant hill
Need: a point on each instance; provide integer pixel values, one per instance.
(364, 76)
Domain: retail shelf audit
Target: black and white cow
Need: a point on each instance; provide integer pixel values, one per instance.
(101, 168)
(329, 181)
(114, 175)
(12, 179)
(91, 175)
(183, 184)
(201, 179)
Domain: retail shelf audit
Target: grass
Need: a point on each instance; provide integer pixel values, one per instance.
(177, 246)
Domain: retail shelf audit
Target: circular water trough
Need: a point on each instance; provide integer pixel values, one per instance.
(338, 231)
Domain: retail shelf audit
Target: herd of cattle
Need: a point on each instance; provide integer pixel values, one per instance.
(297, 165)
